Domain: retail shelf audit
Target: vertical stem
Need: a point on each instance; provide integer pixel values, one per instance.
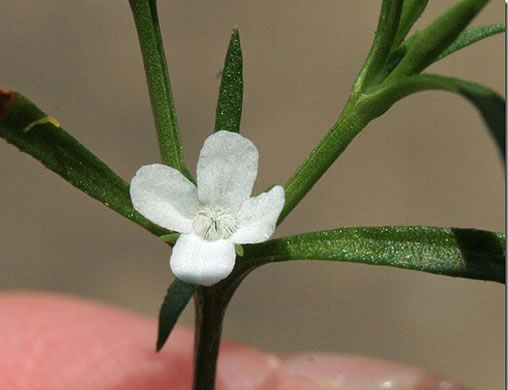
(210, 305)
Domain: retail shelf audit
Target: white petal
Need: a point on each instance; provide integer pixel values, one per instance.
(227, 168)
(164, 196)
(198, 261)
(257, 217)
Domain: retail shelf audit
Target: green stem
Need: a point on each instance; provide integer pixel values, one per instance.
(354, 118)
(210, 306)
(355, 115)
(159, 88)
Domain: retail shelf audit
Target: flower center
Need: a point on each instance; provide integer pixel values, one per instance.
(214, 223)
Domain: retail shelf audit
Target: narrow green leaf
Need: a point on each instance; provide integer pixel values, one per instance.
(435, 38)
(470, 36)
(468, 253)
(373, 67)
(411, 12)
(229, 104)
(159, 87)
(178, 295)
(32, 131)
(466, 38)
(491, 106)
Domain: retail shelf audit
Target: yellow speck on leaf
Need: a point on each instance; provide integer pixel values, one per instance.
(47, 119)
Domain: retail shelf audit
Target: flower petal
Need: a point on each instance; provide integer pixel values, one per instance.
(227, 169)
(198, 261)
(164, 196)
(257, 217)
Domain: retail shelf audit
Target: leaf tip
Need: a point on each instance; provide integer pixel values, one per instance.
(158, 346)
(235, 34)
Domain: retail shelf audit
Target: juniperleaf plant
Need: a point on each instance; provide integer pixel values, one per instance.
(219, 233)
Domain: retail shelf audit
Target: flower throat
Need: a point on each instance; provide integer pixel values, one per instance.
(214, 223)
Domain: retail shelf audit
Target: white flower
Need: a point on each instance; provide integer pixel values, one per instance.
(214, 216)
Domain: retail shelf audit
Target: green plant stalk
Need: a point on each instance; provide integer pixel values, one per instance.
(355, 115)
(210, 306)
(359, 111)
(159, 88)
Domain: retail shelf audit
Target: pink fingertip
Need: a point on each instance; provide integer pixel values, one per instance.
(332, 372)
(244, 368)
(56, 342)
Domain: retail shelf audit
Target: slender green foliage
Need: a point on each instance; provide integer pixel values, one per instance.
(32, 131)
(470, 36)
(466, 38)
(178, 295)
(159, 88)
(435, 38)
(379, 52)
(229, 104)
(411, 12)
(491, 106)
(470, 253)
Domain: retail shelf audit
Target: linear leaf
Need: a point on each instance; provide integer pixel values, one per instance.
(178, 295)
(229, 104)
(470, 36)
(159, 87)
(374, 64)
(411, 12)
(436, 37)
(469, 253)
(466, 38)
(32, 131)
(491, 106)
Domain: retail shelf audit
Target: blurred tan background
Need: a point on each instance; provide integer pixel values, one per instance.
(428, 161)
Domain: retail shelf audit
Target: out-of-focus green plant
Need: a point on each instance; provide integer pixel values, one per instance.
(394, 68)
